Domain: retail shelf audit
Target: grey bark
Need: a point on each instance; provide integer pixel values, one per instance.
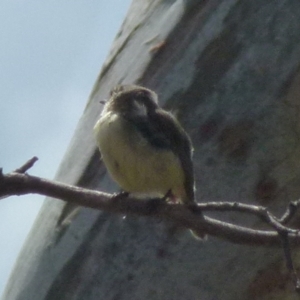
(230, 71)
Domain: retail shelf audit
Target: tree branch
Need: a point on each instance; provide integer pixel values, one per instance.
(29, 164)
(19, 183)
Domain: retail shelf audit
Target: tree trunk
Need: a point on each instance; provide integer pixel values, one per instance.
(230, 71)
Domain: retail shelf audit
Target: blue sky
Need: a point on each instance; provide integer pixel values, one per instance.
(50, 56)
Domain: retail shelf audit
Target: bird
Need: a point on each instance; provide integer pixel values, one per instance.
(144, 147)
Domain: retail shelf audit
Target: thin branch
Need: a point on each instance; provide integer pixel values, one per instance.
(289, 261)
(182, 215)
(290, 212)
(27, 165)
(256, 210)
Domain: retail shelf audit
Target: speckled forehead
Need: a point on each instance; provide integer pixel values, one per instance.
(130, 88)
(133, 92)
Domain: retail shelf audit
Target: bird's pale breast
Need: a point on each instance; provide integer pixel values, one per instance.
(133, 163)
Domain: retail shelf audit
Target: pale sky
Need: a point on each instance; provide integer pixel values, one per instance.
(50, 56)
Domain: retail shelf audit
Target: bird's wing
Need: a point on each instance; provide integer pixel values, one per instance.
(181, 145)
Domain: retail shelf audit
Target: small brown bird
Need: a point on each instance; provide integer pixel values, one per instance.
(145, 149)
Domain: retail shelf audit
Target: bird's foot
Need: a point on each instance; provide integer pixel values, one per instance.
(169, 197)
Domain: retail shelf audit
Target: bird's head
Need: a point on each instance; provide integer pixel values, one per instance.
(132, 99)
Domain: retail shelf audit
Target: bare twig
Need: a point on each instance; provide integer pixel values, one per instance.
(258, 211)
(290, 212)
(289, 261)
(23, 169)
